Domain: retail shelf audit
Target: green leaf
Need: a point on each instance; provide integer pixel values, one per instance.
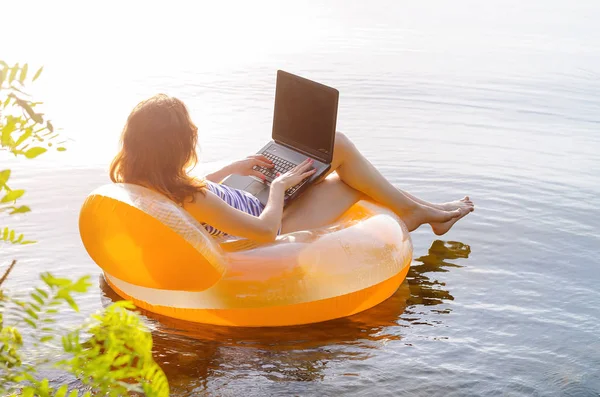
(66, 343)
(52, 281)
(61, 149)
(23, 73)
(34, 152)
(71, 303)
(13, 73)
(37, 74)
(28, 391)
(62, 391)
(3, 74)
(32, 314)
(25, 135)
(28, 321)
(42, 292)
(7, 130)
(4, 175)
(122, 360)
(13, 195)
(20, 210)
(44, 387)
(46, 338)
(37, 298)
(81, 285)
(124, 305)
(25, 377)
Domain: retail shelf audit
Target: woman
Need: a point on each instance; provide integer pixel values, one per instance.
(159, 147)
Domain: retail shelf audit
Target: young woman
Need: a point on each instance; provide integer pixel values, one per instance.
(159, 147)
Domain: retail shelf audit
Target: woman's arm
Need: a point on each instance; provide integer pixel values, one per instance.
(242, 167)
(221, 174)
(209, 208)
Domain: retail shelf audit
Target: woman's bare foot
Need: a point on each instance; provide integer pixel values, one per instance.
(464, 202)
(422, 214)
(440, 228)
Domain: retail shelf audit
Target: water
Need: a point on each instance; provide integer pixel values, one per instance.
(498, 100)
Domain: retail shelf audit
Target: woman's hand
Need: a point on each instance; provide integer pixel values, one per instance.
(246, 166)
(295, 175)
(243, 167)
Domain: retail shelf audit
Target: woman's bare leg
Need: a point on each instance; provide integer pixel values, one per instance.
(325, 203)
(465, 205)
(357, 172)
(322, 204)
(464, 202)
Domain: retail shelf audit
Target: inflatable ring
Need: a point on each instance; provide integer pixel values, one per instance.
(157, 255)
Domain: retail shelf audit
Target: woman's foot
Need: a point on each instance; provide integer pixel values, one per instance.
(440, 228)
(464, 202)
(422, 214)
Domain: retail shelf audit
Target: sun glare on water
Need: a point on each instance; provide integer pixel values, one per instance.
(101, 59)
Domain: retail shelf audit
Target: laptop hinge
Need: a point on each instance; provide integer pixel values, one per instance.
(324, 161)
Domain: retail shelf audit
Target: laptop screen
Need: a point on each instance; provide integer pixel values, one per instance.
(305, 115)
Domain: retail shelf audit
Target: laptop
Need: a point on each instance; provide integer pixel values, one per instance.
(304, 124)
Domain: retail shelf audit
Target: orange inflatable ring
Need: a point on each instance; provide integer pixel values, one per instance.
(157, 255)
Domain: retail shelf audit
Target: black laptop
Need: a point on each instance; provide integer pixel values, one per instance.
(303, 126)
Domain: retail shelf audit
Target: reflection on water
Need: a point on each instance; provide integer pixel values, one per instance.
(423, 290)
(193, 355)
(190, 353)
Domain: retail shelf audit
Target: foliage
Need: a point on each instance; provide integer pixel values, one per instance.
(110, 353)
(118, 356)
(23, 132)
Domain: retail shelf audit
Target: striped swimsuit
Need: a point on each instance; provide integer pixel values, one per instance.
(236, 198)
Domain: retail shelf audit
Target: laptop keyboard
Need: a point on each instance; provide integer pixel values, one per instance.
(280, 165)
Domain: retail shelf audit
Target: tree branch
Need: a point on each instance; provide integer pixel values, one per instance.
(7, 272)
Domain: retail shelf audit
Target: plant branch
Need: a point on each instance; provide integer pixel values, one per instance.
(7, 272)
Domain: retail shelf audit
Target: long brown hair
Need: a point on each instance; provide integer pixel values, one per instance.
(158, 146)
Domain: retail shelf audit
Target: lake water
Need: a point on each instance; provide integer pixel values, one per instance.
(499, 100)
